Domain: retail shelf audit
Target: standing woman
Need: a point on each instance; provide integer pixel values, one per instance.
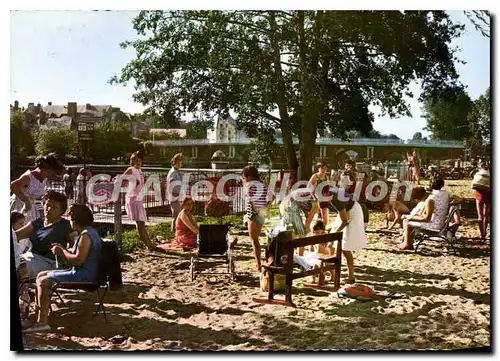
(257, 199)
(30, 186)
(350, 221)
(416, 167)
(174, 192)
(134, 207)
(481, 184)
(410, 165)
(316, 179)
(68, 183)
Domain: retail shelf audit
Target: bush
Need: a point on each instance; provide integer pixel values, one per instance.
(60, 140)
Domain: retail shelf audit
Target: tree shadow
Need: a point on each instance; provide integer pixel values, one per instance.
(379, 277)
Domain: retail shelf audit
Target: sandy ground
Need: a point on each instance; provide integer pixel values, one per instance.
(447, 305)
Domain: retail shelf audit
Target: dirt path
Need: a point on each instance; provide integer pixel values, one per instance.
(447, 305)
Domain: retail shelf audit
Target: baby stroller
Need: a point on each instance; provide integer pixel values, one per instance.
(213, 245)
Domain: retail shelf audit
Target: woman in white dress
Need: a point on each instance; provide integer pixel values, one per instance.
(30, 186)
(350, 221)
(433, 218)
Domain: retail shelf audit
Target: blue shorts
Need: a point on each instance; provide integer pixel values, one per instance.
(72, 275)
(258, 220)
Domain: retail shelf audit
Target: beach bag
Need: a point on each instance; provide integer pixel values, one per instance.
(356, 291)
(481, 180)
(279, 282)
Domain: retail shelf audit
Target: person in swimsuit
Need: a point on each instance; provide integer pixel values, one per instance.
(315, 182)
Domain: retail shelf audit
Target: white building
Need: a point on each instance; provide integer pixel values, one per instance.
(225, 131)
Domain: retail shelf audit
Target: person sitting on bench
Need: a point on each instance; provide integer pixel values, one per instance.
(83, 258)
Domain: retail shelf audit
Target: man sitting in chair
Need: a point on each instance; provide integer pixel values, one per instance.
(83, 258)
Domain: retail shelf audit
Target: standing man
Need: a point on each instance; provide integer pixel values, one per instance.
(174, 190)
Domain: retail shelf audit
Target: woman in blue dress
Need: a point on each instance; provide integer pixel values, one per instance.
(83, 259)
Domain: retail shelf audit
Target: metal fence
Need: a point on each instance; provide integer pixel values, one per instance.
(108, 213)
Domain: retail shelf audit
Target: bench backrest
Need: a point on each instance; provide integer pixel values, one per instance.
(213, 239)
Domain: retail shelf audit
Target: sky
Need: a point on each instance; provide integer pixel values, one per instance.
(64, 56)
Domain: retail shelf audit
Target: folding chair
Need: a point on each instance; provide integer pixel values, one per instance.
(446, 233)
(213, 244)
(109, 276)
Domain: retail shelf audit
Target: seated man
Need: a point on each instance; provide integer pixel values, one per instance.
(44, 232)
(83, 259)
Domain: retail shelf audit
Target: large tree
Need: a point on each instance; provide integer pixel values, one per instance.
(446, 114)
(297, 71)
(479, 119)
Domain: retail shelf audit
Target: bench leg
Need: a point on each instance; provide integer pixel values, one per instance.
(270, 292)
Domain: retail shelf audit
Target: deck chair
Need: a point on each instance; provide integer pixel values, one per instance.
(109, 277)
(447, 233)
(213, 246)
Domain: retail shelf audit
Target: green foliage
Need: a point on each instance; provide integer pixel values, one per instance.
(112, 140)
(21, 140)
(60, 140)
(481, 21)
(479, 119)
(263, 148)
(446, 114)
(197, 129)
(320, 69)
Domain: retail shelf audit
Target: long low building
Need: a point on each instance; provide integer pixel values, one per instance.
(199, 152)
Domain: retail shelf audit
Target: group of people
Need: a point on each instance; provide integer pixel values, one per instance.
(51, 246)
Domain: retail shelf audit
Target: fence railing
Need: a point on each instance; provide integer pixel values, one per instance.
(110, 216)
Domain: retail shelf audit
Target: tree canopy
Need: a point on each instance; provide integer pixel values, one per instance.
(446, 114)
(479, 119)
(297, 71)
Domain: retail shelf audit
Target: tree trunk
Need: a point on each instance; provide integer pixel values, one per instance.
(281, 99)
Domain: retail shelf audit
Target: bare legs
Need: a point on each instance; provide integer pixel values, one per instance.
(254, 233)
(43, 287)
(324, 215)
(143, 234)
(407, 237)
(483, 214)
(350, 265)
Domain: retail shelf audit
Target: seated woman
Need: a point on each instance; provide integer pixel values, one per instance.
(434, 216)
(44, 232)
(186, 229)
(83, 258)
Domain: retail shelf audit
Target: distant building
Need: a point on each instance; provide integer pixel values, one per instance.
(225, 131)
(43, 117)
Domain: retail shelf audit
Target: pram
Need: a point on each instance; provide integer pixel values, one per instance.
(213, 245)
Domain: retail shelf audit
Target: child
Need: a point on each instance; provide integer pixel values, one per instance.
(17, 221)
(394, 210)
(311, 258)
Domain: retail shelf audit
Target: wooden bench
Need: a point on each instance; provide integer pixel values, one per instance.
(284, 244)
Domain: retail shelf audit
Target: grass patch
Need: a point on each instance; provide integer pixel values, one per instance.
(163, 232)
